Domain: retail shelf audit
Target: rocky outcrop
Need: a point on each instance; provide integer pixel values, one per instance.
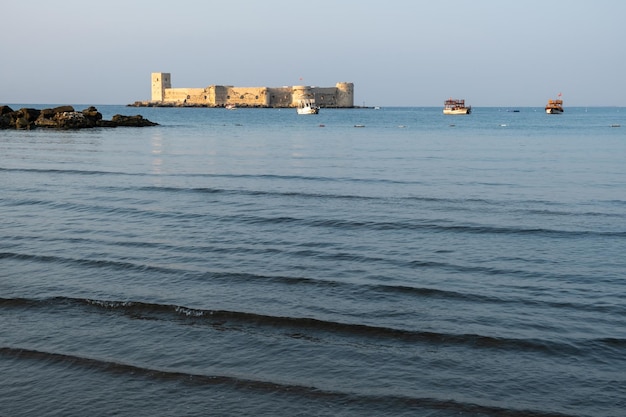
(65, 117)
(131, 121)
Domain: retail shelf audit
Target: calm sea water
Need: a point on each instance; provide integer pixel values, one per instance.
(260, 263)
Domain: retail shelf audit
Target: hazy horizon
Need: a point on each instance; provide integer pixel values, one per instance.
(397, 54)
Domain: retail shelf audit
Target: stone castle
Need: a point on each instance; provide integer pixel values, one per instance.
(341, 95)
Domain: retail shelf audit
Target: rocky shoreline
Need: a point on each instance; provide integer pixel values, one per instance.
(65, 118)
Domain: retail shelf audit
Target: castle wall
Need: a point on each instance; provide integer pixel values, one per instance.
(185, 95)
(248, 96)
(217, 95)
(280, 96)
(325, 96)
(342, 95)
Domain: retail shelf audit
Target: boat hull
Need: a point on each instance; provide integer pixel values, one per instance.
(553, 111)
(309, 110)
(457, 111)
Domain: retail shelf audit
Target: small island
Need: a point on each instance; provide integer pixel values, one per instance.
(65, 118)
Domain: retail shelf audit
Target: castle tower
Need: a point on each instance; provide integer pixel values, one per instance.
(300, 92)
(160, 82)
(345, 94)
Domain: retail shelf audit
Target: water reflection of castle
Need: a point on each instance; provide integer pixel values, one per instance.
(342, 95)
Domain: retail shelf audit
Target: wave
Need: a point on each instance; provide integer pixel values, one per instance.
(69, 171)
(253, 193)
(234, 320)
(460, 201)
(96, 263)
(371, 288)
(423, 225)
(209, 175)
(240, 384)
(81, 207)
(465, 204)
(513, 205)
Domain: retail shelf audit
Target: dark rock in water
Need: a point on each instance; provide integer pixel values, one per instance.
(132, 121)
(19, 119)
(107, 123)
(22, 123)
(72, 120)
(92, 113)
(29, 114)
(53, 111)
(5, 110)
(65, 117)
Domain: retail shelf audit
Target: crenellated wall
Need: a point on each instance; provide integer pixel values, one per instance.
(342, 95)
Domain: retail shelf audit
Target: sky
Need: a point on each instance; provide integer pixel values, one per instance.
(396, 52)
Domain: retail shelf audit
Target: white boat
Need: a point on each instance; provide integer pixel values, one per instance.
(308, 107)
(555, 106)
(452, 106)
(230, 107)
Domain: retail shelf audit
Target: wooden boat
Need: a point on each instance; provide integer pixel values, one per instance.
(307, 107)
(454, 106)
(555, 106)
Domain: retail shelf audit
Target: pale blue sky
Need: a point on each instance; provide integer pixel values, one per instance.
(397, 52)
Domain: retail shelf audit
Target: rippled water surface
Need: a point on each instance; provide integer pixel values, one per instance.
(256, 262)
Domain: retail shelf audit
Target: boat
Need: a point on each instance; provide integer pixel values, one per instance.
(308, 106)
(230, 107)
(454, 106)
(555, 106)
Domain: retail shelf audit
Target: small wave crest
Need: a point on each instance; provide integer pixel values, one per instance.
(226, 320)
(258, 385)
(420, 225)
(85, 262)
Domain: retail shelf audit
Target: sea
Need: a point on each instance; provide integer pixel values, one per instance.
(358, 262)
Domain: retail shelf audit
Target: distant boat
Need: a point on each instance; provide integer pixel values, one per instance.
(230, 107)
(454, 106)
(307, 107)
(555, 106)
